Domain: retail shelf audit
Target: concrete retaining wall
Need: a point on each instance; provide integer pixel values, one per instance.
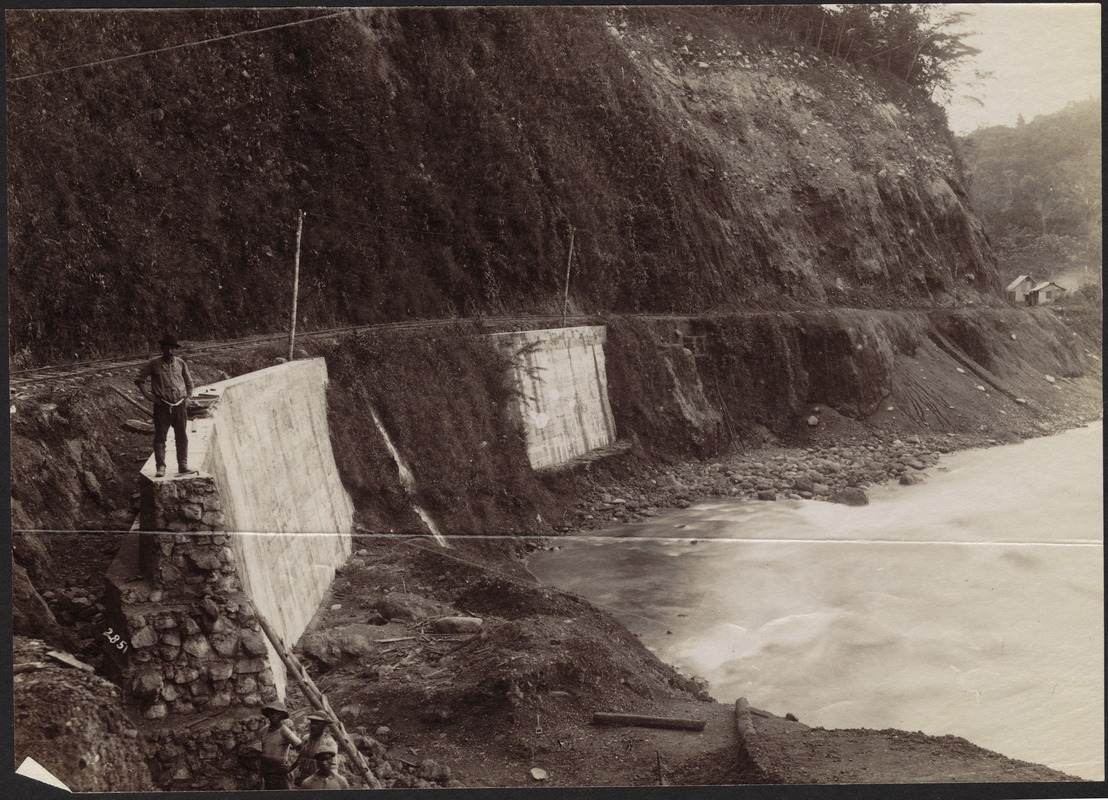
(564, 387)
(266, 519)
(270, 454)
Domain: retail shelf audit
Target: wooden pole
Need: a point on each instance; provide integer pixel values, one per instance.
(318, 701)
(295, 282)
(605, 718)
(569, 261)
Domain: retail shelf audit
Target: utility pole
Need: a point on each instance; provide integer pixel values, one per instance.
(295, 282)
(569, 261)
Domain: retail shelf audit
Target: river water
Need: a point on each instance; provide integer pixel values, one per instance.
(969, 605)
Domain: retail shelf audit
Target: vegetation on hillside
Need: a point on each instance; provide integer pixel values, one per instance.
(447, 402)
(446, 159)
(916, 42)
(1037, 186)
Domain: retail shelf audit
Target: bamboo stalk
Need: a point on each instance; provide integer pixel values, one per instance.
(295, 282)
(569, 261)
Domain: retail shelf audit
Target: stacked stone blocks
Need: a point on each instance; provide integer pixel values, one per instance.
(216, 756)
(183, 504)
(184, 592)
(195, 643)
(184, 662)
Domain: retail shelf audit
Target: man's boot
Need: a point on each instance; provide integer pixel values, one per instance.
(160, 472)
(159, 459)
(183, 457)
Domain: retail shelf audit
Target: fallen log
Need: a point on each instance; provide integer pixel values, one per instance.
(639, 721)
(743, 723)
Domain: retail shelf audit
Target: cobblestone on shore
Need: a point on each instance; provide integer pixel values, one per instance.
(773, 472)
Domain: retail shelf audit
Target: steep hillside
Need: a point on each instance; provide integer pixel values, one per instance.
(446, 160)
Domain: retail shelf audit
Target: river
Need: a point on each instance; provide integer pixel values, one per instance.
(970, 605)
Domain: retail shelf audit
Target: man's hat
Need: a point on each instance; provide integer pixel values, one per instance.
(169, 341)
(276, 707)
(326, 745)
(318, 717)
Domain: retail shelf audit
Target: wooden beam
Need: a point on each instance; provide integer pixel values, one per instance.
(318, 701)
(639, 721)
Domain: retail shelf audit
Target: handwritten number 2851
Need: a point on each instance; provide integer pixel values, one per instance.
(116, 639)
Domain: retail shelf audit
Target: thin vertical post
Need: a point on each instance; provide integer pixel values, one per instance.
(295, 282)
(569, 261)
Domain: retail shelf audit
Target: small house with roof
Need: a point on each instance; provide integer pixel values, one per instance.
(1019, 288)
(1044, 293)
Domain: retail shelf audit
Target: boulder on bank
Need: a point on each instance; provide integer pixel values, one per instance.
(138, 426)
(334, 646)
(850, 497)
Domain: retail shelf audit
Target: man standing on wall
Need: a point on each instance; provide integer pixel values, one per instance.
(170, 389)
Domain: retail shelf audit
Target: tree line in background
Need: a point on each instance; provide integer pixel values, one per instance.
(1037, 187)
(917, 43)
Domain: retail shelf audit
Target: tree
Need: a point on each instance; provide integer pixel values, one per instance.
(941, 47)
(1037, 187)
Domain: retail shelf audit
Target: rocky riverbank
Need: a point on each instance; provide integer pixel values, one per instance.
(836, 460)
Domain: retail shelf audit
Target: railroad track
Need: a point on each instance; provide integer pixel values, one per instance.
(21, 381)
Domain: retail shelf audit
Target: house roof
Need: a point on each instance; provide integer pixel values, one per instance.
(1045, 284)
(1012, 286)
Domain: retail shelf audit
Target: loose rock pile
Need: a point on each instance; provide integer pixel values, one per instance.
(836, 473)
(76, 607)
(223, 756)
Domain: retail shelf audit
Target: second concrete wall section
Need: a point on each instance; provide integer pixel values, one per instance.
(564, 387)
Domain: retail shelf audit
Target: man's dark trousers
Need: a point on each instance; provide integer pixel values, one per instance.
(165, 417)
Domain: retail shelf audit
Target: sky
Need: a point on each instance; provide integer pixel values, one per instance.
(1043, 56)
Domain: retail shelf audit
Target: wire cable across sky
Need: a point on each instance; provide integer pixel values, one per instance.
(182, 45)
